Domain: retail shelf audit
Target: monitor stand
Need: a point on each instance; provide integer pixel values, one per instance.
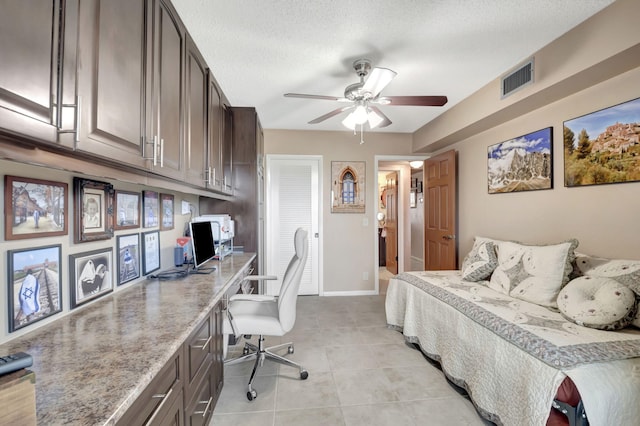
(202, 271)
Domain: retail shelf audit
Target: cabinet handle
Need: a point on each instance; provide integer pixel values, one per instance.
(161, 153)
(164, 397)
(206, 409)
(155, 151)
(78, 117)
(204, 345)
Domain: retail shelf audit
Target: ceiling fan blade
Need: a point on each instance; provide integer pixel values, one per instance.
(378, 80)
(385, 120)
(413, 100)
(331, 114)
(322, 97)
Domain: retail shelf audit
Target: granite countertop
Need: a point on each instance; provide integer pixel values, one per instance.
(92, 364)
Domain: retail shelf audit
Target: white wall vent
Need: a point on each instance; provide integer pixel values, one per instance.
(518, 78)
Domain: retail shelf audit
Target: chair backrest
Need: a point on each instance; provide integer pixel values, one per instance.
(291, 280)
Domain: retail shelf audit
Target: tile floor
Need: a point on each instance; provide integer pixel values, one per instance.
(360, 373)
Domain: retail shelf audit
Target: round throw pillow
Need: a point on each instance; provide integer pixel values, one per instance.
(598, 302)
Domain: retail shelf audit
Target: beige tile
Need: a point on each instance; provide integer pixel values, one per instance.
(445, 412)
(386, 414)
(356, 387)
(329, 416)
(350, 357)
(260, 418)
(318, 390)
(233, 398)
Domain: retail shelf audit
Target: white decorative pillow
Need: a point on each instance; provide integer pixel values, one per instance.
(533, 273)
(598, 302)
(480, 262)
(625, 271)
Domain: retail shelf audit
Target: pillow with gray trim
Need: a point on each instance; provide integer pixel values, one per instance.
(533, 273)
(480, 262)
(622, 270)
(598, 302)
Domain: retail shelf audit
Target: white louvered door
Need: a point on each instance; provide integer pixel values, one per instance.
(293, 200)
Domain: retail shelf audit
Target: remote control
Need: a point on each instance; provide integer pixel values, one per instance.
(14, 362)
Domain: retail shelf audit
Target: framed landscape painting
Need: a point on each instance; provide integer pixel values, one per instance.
(521, 164)
(603, 146)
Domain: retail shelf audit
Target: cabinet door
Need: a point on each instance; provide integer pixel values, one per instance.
(166, 104)
(199, 410)
(226, 151)
(34, 66)
(217, 368)
(214, 168)
(111, 80)
(196, 117)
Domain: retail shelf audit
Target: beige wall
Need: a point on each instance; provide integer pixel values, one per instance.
(348, 246)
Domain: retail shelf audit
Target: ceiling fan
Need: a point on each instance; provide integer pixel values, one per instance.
(364, 96)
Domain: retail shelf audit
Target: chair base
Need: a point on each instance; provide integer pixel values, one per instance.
(260, 353)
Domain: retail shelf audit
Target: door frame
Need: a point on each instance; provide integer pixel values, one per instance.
(404, 223)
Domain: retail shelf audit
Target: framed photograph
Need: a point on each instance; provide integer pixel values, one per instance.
(603, 146)
(412, 199)
(348, 186)
(93, 214)
(521, 164)
(35, 284)
(166, 212)
(34, 208)
(128, 258)
(90, 275)
(127, 210)
(150, 208)
(150, 251)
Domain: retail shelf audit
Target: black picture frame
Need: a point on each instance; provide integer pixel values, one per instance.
(34, 283)
(127, 207)
(128, 257)
(534, 169)
(93, 201)
(167, 220)
(150, 208)
(90, 275)
(150, 251)
(34, 208)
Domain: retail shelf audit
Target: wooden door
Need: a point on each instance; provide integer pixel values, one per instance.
(391, 223)
(32, 52)
(440, 212)
(196, 117)
(166, 136)
(111, 80)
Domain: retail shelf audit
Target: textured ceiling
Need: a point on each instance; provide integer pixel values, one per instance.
(260, 49)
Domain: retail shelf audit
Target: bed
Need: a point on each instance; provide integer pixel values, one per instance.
(516, 359)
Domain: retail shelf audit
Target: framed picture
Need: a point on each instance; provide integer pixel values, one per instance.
(93, 202)
(127, 210)
(521, 164)
(166, 212)
(34, 208)
(412, 199)
(150, 209)
(603, 146)
(150, 251)
(128, 258)
(90, 275)
(35, 284)
(348, 186)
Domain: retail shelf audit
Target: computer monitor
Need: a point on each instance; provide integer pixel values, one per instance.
(203, 246)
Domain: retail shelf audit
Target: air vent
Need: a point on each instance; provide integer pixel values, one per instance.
(518, 78)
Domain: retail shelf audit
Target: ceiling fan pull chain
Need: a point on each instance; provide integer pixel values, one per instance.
(361, 134)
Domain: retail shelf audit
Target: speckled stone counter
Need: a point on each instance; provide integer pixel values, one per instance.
(92, 364)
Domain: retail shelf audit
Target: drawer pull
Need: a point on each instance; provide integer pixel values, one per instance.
(206, 343)
(165, 397)
(206, 409)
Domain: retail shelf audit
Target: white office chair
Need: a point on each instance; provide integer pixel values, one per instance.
(256, 314)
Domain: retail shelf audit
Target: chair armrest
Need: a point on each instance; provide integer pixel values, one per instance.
(252, 297)
(260, 277)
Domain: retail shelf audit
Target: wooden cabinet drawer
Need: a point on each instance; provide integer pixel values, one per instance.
(157, 401)
(198, 348)
(199, 409)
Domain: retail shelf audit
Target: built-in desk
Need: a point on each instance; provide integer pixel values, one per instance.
(94, 363)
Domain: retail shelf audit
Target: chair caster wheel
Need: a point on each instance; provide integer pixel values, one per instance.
(304, 374)
(290, 350)
(245, 351)
(252, 394)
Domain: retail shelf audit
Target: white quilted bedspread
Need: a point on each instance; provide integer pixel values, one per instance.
(511, 355)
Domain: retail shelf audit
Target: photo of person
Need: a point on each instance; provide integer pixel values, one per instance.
(91, 218)
(91, 275)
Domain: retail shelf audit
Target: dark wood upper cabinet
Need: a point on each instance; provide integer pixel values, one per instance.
(214, 155)
(226, 151)
(165, 102)
(111, 80)
(196, 138)
(36, 64)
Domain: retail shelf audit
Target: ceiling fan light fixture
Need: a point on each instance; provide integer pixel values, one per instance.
(360, 115)
(374, 119)
(349, 122)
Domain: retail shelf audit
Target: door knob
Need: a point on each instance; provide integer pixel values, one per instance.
(449, 237)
